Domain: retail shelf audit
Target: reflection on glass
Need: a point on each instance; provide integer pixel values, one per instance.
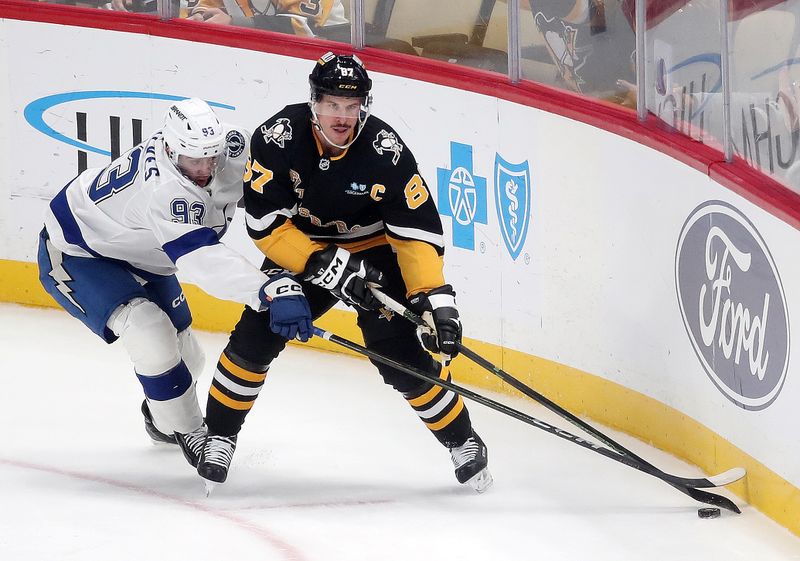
(685, 83)
(308, 18)
(765, 86)
(467, 32)
(684, 67)
(134, 6)
(585, 46)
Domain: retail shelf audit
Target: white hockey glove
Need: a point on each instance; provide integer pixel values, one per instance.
(346, 276)
(443, 333)
(289, 313)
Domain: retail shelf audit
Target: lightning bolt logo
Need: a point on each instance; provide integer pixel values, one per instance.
(60, 275)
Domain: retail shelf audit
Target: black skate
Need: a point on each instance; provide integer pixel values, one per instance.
(191, 443)
(215, 458)
(155, 434)
(471, 460)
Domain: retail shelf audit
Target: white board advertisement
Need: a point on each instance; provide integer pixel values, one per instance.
(564, 241)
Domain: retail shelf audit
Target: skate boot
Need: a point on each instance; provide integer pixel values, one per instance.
(215, 458)
(191, 443)
(471, 460)
(155, 435)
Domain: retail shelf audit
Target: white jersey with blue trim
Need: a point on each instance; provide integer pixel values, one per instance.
(142, 212)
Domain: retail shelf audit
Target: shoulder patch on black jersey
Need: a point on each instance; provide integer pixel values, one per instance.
(278, 133)
(235, 141)
(387, 142)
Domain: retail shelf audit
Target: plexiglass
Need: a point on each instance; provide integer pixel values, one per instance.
(684, 67)
(765, 86)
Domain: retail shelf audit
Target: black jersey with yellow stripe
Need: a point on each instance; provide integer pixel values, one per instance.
(299, 200)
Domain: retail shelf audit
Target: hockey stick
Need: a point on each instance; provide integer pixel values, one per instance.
(696, 494)
(726, 478)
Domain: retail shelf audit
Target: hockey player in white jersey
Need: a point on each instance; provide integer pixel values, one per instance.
(115, 237)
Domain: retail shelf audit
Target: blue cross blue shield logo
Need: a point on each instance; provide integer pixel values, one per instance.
(512, 190)
(462, 195)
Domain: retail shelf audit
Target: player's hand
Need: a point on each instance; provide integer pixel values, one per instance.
(438, 308)
(289, 313)
(346, 276)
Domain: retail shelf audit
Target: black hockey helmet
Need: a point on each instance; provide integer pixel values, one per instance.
(340, 75)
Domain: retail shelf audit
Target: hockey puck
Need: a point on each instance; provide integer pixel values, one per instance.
(708, 512)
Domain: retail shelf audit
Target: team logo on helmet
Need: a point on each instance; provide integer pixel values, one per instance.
(327, 57)
(278, 133)
(235, 141)
(387, 142)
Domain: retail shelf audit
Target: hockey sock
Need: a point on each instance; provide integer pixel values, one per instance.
(442, 411)
(232, 394)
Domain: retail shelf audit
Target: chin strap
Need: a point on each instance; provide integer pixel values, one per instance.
(318, 128)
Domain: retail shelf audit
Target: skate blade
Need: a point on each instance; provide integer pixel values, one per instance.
(481, 481)
(210, 486)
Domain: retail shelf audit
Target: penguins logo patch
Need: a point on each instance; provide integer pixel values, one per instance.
(278, 133)
(235, 142)
(387, 142)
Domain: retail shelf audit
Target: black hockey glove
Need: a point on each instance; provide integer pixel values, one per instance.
(289, 314)
(347, 277)
(438, 308)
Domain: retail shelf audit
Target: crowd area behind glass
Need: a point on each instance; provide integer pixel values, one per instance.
(584, 46)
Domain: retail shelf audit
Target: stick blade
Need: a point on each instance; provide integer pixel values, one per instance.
(712, 499)
(727, 477)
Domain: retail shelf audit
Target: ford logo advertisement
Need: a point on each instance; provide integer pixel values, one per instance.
(733, 304)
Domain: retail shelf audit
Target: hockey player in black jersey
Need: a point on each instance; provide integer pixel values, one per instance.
(335, 196)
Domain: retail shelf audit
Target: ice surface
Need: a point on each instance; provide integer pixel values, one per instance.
(331, 466)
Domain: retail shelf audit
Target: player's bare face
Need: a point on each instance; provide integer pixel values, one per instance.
(199, 170)
(337, 116)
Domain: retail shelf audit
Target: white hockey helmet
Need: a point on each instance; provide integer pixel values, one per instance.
(192, 129)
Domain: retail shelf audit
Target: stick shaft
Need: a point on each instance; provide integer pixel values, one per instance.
(399, 308)
(702, 482)
(698, 495)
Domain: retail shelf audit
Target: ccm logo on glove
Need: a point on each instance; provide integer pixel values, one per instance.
(332, 275)
(346, 276)
(289, 313)
(443, 333)
(286, 289)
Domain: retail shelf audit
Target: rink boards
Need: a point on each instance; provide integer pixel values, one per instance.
(620, 282)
